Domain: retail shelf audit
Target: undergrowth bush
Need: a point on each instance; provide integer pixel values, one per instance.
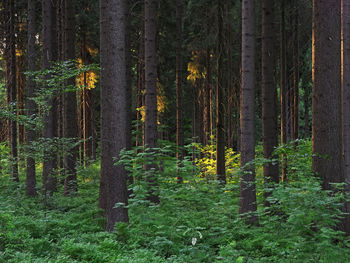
(196, 221)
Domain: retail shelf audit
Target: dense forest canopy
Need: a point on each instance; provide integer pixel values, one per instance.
(174, 131)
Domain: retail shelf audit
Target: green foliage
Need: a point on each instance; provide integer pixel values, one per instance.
(196, 221)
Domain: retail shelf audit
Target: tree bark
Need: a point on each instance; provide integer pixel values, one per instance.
(295, 50)
(269, 92)
(346, 104)
(326, 96)
(247, 188)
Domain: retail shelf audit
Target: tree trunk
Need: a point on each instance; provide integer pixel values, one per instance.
(247, 188)
(151, 91)
(180, 152)
(283, 88)
(269, 92)
(114, 112)
(326, 96)
(11, 82)
(295, 50)
(220, 108)
(31, 176)
(346, 104)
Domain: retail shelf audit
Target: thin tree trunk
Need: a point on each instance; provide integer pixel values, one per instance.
(11, 82)
(30, 174)
(295, 49)
(220, 108)
(247, 188)
(151, 91)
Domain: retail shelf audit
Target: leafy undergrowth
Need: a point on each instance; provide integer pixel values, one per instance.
(196, 222)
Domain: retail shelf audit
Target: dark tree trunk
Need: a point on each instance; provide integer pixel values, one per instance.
(31, 176)
(49, 55)
(70, 105)
(326, 95)
(306, 113)
(220, 108)
(179, 123)
(114, 112)
(11, 81)
(151, 90)
(283, 87)
(248, 193)
(346, 105)
(295, 50)
(269, 91)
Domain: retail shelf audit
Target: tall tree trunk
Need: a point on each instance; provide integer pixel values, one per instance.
(151, 90)
(283, 87)
(269, 92)
(207, 103)
(326, 96)
(346, 104)
(295, 50)
(247, 195)
(114, 112)
(179, 123)
(70, 105)
(220, 108)
(31, 176)
(11, 81)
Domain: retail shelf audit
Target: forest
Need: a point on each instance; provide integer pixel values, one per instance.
(174, 131)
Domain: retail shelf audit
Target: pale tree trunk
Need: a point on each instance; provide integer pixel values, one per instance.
(247, 188)
(30, 174)
(114, 112)
(326, 93)
(269, 92)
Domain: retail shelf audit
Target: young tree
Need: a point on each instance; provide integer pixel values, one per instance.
(114, 112)
(31, 176)
(151, 89)
(248, 196)
(269, 91)
(70, 104)
(327, 160)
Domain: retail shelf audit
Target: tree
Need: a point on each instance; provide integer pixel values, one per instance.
(247, 188)
(346, 104)
(31, 176)
(327, 161)
(269, 91)
(179, 122)
(11, 81)
(70, 104)
(151, 90)
(114, 112)
(220, 108)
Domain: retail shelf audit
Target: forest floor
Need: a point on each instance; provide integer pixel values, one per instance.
(195, 222)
